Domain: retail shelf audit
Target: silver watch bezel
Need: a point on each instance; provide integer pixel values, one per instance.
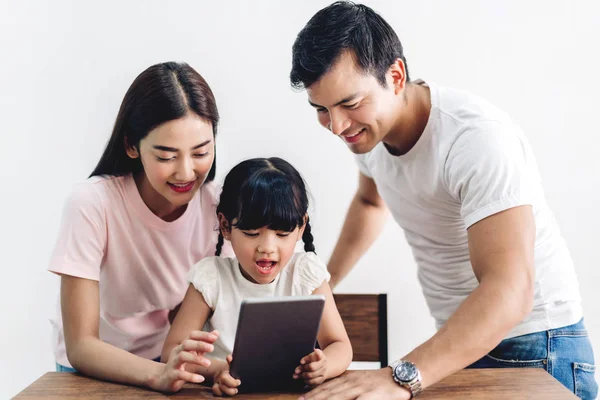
(414, 385)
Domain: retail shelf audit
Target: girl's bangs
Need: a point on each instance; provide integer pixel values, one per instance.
(269, 199)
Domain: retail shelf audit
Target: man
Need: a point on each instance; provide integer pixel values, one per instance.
(459, 177)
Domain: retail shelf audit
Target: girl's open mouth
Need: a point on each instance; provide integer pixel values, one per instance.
(265, 267)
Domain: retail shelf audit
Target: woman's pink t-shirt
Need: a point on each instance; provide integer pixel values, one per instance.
(108, 234)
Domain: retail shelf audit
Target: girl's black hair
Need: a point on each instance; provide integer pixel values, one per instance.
(162, 93)
(265, 192)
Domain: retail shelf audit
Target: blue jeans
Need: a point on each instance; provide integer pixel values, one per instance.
(566, 353)
(62, 368)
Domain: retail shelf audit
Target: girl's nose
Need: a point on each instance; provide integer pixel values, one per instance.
(267, 245)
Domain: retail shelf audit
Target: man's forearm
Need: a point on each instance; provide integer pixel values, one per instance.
(364, 222)
(479, 324)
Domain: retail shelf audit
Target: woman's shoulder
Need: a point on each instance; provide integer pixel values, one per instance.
(95, 191)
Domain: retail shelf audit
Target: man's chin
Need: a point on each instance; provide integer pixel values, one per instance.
(360, 148)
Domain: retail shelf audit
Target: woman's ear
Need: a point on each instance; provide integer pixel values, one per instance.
(131, 151)
(224, 226)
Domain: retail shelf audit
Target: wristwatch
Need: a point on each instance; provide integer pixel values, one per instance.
(407, 375)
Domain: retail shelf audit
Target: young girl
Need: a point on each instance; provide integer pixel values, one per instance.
(263, 213)
(130, 232)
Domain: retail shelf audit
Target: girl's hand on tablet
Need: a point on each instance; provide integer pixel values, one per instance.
(225, 384)
(312, 368)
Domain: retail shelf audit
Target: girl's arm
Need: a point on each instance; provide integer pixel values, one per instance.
(80, 305)
(192, 315)
(332, 336)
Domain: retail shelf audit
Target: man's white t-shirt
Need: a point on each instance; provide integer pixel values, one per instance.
(471, 162)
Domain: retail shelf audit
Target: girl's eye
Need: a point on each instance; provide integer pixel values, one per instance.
(283, 234)
(250, 234)
(164, 159)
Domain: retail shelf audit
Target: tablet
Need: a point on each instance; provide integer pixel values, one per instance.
(273, 334)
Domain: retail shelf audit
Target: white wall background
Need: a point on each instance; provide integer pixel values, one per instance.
(65, 66)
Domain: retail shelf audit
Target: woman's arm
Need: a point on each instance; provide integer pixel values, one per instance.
(80, 304)
(192, 315)
(332, 336)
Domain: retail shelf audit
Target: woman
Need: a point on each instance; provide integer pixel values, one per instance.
(131, 231)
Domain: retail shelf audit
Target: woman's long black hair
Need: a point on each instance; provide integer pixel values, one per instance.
(265, 192)
(162, 93)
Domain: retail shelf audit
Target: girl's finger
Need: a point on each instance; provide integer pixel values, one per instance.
(312, 375)
(313, 366)
(217, 389)
(228, 380)
(230, 391)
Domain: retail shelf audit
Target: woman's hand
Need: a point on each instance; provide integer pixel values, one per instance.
(191, 351)
(225, 384)
(312, 368)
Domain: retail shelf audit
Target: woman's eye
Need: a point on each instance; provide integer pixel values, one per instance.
(201, 155)
(161, 159)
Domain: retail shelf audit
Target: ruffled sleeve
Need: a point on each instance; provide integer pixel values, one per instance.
(204, 275)
(310, 273)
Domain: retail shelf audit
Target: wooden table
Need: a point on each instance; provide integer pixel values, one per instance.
(472, 384)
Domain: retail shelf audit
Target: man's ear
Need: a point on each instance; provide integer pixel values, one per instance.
(224, 226)
(397, 76)
(131, 151)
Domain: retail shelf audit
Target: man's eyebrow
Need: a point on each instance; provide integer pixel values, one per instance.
(344, 100)
(174, 150)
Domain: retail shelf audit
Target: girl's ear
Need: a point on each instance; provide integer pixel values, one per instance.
(301, 230)
(131, 151)
(224, 226)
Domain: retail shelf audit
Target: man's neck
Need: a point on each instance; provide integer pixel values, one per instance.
(410, 124)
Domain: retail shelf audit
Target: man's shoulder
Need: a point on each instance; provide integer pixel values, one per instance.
(467, 108)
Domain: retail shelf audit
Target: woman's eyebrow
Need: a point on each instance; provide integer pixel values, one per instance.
(174, 150)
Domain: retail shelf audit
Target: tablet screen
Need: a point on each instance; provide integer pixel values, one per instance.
(272, 335)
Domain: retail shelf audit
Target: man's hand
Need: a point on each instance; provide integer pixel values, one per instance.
(361, 385)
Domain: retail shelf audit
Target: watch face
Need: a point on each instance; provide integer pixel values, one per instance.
(405, 371)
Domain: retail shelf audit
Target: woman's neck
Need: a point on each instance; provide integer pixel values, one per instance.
(159, 206)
